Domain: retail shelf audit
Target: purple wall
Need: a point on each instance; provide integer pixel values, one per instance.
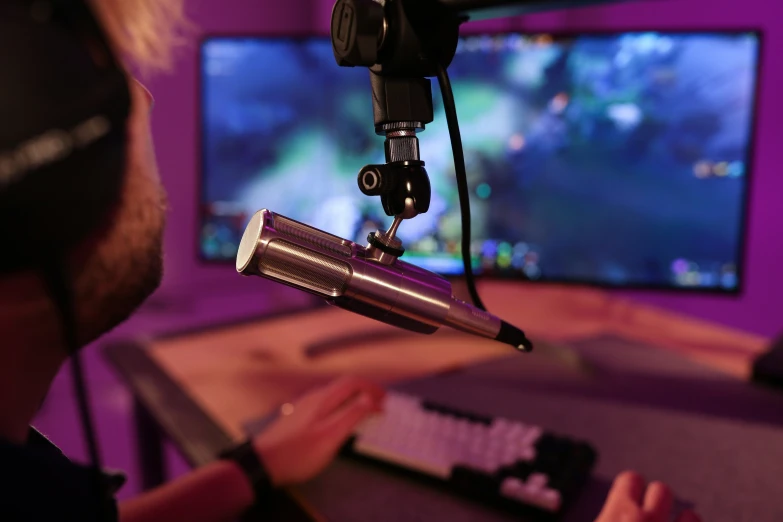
(175, 130)
(176, 113)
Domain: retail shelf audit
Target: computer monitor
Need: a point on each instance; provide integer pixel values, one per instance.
(614, 159)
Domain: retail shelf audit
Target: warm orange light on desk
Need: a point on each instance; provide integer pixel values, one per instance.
(244, 371)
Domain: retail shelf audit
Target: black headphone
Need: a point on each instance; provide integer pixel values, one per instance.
(64, 105)
(64, 102)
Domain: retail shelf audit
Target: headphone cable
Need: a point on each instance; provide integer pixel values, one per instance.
(61, 292)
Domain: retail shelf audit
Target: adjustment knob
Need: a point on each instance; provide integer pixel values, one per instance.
(357, 32)
(376, 180)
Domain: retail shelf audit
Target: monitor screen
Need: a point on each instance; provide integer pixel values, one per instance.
(617, 159)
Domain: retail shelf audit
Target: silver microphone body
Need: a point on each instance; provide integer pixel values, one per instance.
(344, 273)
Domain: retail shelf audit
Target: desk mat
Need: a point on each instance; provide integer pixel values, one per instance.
(717, 441)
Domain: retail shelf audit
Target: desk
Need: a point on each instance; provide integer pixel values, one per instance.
(202, 388)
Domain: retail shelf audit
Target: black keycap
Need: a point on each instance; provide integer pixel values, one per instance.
(546, 443)
(475, 482)
(552, 455)
(520, 470)
(580, 464)
(347, 447)
(561, 480)
(584, 455)
(566, 462)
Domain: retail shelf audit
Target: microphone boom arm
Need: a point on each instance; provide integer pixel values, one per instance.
(492, 9)
(403, 43)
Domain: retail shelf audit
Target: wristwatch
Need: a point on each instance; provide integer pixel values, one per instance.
(246, 457)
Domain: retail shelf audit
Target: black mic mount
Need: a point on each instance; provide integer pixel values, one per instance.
(403, 43)
(401, 47)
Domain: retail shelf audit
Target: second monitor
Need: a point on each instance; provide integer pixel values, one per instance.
(616, 159)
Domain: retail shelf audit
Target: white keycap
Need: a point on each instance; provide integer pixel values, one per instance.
(511, 486)
(510, 454)
(537, 481)
(550, 500)
(547, 499)
(402, 458)
(507, 460)
(526, 454)
(532, 435)
(514, 488)
(499, 426)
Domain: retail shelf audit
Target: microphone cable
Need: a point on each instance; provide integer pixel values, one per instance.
(450, 108)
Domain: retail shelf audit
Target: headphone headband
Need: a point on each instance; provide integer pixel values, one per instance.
(64, 103)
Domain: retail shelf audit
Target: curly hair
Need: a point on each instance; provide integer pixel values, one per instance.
(145, 32)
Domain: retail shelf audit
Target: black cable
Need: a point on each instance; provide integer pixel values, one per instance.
(85, 413)
(60, 290)
(462, 180)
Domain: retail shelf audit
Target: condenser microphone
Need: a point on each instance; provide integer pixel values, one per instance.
(347, 275)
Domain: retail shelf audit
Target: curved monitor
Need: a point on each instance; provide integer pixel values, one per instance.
(615, 159)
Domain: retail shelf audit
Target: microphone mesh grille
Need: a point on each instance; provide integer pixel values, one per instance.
(319, 238)
(303, 267)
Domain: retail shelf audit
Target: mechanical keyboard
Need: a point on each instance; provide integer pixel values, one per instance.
(490, 459)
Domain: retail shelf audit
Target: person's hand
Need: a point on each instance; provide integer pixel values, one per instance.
(632, 500)
(310, 431)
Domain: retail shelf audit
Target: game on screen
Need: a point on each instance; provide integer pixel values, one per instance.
(614, 159)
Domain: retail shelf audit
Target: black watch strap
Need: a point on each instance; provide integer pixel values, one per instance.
(246, 457)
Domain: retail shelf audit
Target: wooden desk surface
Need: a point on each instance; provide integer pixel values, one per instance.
(242, 372)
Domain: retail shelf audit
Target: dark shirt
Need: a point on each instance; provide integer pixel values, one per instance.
(38, 483)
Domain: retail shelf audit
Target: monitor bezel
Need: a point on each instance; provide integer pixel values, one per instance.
(661, 288)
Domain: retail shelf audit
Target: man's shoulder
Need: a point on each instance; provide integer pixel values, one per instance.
(38, 482)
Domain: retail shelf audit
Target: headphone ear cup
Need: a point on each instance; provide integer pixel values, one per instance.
(64, 104)
(60, 205)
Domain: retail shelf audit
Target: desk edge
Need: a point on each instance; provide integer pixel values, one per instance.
(178, 415)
